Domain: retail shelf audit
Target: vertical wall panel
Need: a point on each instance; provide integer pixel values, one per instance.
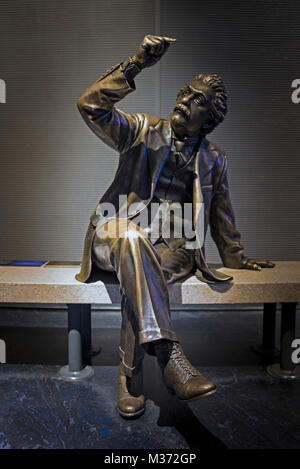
(254, 46)
(53, 168)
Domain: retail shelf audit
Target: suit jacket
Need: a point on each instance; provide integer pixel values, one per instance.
(144, 143)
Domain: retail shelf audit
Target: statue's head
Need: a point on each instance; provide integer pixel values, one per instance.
(200, 106)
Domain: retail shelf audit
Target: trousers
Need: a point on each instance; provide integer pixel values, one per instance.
(143, 270)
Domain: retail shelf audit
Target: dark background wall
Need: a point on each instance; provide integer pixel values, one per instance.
(53, 169)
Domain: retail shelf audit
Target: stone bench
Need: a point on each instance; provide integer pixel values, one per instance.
(57, 285)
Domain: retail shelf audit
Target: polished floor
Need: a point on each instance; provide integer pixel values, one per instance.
(39, 410)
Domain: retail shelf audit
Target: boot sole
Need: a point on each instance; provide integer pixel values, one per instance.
(200, 396)
(131, 415)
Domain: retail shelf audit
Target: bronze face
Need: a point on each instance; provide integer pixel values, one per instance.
(191, 110)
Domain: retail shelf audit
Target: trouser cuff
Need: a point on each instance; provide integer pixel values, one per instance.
(156, 334)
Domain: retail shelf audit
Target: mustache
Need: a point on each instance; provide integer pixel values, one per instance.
(183, 110)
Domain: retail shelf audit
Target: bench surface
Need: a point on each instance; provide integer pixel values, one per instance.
(58, 285)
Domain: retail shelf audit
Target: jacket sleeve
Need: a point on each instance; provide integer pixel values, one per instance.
(97, 107)
(222, 222)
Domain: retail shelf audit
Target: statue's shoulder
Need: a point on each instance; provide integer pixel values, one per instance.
(151, 121)
(145, 124)
(145, 120)
(158, 125)
(217, 153)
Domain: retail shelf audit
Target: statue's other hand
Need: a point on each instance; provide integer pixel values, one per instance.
(151, 49)
(258, 264)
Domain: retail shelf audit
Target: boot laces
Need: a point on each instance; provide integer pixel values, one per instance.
(178, 355)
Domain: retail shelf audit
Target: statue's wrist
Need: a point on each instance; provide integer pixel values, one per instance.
(135, 58)
(130, 69)
(245, 262)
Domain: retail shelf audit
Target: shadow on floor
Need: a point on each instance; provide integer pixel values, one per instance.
(177, 414)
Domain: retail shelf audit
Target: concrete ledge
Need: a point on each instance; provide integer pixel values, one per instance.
(58, 285)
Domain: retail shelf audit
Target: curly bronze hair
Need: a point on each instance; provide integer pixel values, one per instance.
(218, 108)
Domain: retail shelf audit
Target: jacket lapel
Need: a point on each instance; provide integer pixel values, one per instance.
(158, 149)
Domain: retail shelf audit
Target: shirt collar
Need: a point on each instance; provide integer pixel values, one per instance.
(182, 142)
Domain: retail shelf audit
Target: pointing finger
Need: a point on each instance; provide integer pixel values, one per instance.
(169, 39)
(266, 264)
(263, 263)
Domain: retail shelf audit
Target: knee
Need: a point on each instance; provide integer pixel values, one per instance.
(136, 240)
(133, 233)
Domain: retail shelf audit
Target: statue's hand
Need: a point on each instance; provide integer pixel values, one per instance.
(151, 50)
(258, 264)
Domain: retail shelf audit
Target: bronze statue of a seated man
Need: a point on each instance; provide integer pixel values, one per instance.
(161, 162)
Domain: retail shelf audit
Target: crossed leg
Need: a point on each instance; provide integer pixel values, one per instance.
(143, 271)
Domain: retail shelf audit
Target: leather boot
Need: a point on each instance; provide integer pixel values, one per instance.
(180, 377)
(131, 402)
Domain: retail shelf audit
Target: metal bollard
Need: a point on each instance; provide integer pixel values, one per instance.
(79, 339)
